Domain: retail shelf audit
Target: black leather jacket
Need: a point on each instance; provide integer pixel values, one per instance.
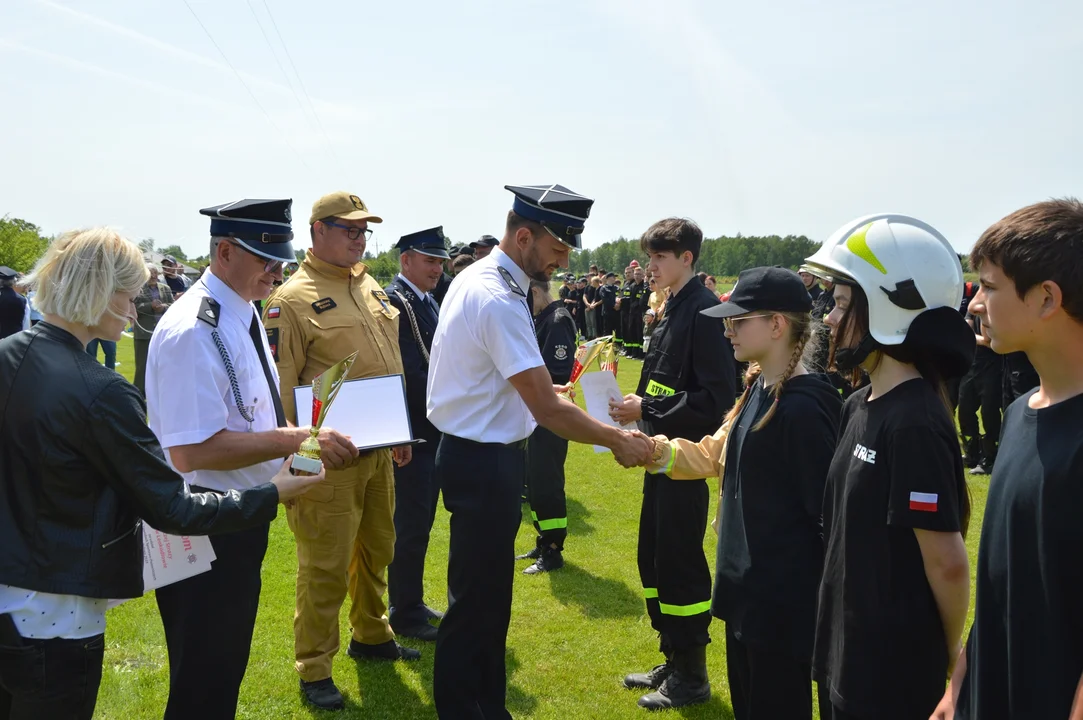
(79, 467)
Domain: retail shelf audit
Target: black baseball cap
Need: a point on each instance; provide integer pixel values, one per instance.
(764, 288)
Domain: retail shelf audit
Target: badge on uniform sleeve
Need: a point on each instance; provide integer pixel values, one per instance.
(923, 502)
(274, 312)
(208, 311)
(510, 281)
(561, 352)
(381, 296)
(323, 304)
(272, 340)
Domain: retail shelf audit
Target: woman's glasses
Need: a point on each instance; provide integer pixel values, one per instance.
(731, 323)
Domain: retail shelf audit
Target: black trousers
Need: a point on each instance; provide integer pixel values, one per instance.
(208, 622)
(633, 330)
(416, 495)
(1020, 377)
(545, 456)
(481, 483)
(54, 678)
(672, 566)
(142, 350)
(767, 685)
(981, 387)
(618, 325)
(610, 321)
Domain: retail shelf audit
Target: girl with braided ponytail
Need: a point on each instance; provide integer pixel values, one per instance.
(772, 453)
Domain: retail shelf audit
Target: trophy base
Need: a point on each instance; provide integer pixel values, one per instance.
(304, 464)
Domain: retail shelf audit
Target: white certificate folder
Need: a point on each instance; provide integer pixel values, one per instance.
(372, 411)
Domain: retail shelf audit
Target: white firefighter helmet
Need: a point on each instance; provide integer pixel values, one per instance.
(904, 266)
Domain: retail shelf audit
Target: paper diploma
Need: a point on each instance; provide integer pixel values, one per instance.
(171, 558)
(598, 389)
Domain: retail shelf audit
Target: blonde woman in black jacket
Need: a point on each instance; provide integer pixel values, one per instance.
(78, 469)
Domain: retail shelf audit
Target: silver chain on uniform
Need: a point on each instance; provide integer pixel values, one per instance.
(413, 326)
(232, 378)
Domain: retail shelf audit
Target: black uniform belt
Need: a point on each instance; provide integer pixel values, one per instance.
(517, 445)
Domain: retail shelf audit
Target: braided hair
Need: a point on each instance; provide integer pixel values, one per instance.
(802, 328)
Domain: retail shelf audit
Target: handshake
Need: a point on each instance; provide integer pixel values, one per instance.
(633, 449)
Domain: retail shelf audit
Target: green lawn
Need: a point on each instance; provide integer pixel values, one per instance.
(574, 633)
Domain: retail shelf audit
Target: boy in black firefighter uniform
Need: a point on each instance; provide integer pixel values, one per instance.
(625, 295)
(609, 292)
(546, 451)
(981, 387)
(638, 307)
(685, 389)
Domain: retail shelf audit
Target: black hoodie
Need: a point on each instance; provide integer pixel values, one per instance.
(770, 546)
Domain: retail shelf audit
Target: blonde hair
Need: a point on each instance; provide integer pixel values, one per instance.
(79, 273)
(801, 331)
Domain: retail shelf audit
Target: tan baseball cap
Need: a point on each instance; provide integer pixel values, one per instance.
(342, 205)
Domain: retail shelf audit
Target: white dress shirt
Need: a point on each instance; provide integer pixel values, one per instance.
(423, 296)
(189, 396)
(485, 336)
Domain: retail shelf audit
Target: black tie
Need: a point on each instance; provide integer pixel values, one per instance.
(432, 305)
(257, 340)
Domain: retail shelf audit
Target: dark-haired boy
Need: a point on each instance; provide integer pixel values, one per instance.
(1024, 656)
(685, 388)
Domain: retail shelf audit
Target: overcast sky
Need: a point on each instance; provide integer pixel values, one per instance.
(785, 117)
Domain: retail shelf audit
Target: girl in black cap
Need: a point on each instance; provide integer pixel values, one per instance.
(895, 589)
(772, 452)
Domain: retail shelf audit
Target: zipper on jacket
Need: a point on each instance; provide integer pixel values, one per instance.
(115, 540)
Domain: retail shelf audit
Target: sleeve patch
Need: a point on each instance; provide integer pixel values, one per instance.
(272, 340)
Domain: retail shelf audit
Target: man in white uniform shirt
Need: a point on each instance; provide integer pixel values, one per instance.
(213, 402)
(487, 390)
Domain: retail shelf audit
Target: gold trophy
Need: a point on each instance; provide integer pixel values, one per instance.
(585, 354)
(325, 387)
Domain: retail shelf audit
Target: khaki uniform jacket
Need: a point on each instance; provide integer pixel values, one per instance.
(686, 460)
(321, 316)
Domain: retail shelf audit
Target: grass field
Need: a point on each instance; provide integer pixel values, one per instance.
(574, 633)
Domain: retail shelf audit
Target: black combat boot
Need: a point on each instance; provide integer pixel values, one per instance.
(550, 559)
(653, 678)
(533, 554)
(686, 685)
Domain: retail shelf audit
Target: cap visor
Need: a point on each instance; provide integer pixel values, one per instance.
(360, 215)
(725, 310)
(271, 251)
(432, 253)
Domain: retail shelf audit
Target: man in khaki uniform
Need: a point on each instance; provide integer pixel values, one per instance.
(344, 528)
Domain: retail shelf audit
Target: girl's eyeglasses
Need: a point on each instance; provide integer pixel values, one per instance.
(731, 323)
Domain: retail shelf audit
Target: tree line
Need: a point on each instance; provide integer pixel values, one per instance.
(22, 243)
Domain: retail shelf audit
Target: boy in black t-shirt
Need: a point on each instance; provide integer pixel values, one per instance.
(1024, 656)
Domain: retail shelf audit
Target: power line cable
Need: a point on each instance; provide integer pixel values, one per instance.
(301, 82)
(304, 111)
(240, 79)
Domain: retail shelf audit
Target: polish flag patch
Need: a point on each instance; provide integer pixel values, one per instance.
(923, 502)
(272, 313)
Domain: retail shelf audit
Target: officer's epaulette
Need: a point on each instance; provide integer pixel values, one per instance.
(510, 281)
(208, 311)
